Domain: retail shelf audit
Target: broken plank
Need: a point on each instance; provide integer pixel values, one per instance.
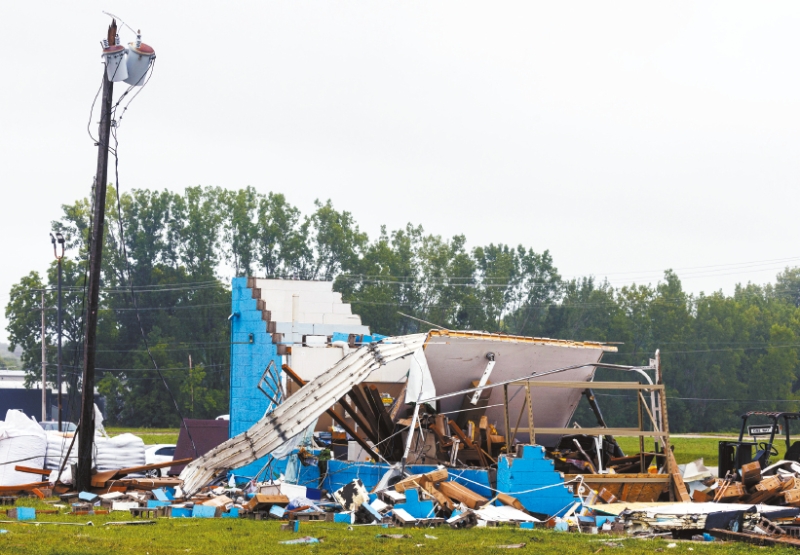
(338, 419)
(31, 470)
(456, 491)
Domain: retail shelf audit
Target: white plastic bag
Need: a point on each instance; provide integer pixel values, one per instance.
(23, 442)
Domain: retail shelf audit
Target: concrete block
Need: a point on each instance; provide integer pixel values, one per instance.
(25, 513)
(345, 518)
(204, 511)
(161, 495)
(180, 512)
(252, 315)
(415, 507)
(87, 496)
(239, 283)
(276, 511)
(155, 503)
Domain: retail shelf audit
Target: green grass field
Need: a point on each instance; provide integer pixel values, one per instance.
(223, 536)
(150, 436)
(240, 536)
(690, 449)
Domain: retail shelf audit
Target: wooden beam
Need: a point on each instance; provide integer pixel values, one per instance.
(363, 423)
(360, 401)
(338, 419)
(30, 470)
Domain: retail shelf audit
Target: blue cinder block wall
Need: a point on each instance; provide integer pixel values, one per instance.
(248, 362)
(516, 476)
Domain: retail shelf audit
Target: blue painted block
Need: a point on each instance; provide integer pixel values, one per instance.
(415, 507)
(161, 495)
(233, 513)
(248, 305)
(155, 503)
(252, 315)
(277, 512)
(180, 512)
(203, 511)
(531, 471)
(526, 525)
(26, 513)
(313, 494)
(87, 496)
(337, 336)
(239, 282)
(344, 518)
(603, 519)
(376, 516)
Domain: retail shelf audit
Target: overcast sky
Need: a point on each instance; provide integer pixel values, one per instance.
(627, 138)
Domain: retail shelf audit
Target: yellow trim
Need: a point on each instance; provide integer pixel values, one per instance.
(522, 339)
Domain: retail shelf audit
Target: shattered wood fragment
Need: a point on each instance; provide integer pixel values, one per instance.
(440, 498)
(766, 488)
(506, 499)
(728, 491)
(30, 470)
(703, 495)
(23, 487)
(681, 492)
(100, 479)
(767, 484)
(751, 474)
(792, 497)
(606, 496)
(456, 491)
(438, 475)
(262, 501)
(482, 455)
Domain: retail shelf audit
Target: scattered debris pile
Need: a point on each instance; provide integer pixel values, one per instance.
(778, 484)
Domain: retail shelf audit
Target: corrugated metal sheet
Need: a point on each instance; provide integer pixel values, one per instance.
(298, 411)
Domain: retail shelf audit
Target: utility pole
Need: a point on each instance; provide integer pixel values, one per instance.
(86, 435)
(44, 365)
(59, 238)
(191, 383)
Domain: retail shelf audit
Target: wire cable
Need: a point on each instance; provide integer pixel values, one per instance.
(130, 279)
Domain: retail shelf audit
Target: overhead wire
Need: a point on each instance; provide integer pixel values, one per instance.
(127, 261)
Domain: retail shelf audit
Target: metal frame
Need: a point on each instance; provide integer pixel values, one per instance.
(660, 429)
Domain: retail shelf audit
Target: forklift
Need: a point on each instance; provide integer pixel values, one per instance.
(733, 454)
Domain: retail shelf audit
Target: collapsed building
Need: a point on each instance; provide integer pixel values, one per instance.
(461, 399)
(329, 421)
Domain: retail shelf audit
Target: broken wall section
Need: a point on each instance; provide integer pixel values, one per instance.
(248, 362)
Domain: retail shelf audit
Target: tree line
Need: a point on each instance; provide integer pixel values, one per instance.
(722, 354)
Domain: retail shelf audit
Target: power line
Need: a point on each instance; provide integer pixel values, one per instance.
(128, 266)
